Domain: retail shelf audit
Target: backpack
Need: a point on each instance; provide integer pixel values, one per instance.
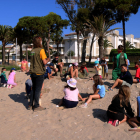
(121, 60)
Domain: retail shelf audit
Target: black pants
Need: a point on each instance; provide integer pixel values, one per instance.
(37, 81)
(69, 104)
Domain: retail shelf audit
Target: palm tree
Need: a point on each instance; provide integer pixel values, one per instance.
(100, 27)
(5, 37)
(128, 45)
(106, 45)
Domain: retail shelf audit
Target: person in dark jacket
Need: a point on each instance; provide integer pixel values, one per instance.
(125, 78)
(120, 102)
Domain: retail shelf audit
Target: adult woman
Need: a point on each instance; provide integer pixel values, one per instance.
(37, 70)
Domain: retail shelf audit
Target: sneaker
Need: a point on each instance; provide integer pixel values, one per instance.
(8, 86)
(110, 89)
(83, 106)
(4, 85)
(39, 108)
(115, 123)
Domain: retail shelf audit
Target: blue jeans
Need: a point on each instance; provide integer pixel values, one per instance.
(37, 81)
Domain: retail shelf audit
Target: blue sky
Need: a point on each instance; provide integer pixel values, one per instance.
(12, 10)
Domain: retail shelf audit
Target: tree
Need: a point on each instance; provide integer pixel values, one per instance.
(101, 28)
(106, 45)
(128, 45)
(122, 9)
(5, 37)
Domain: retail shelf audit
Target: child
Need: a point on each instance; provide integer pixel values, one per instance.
(11, 79)
(71, 93)
(137, 76)
(125, 78)
(49, 72)
(136, 120)
(116, 112)
(98, 68)
(28, 87)
(83, 71)
(3, 77)
(105, 64)
(98, 88)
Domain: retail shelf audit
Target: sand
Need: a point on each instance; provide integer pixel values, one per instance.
(18, 123)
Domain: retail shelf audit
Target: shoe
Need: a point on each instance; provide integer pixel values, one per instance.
(29, 107)
(83, 106)
(8, 86)
(110, 121)
(110, 89)
(115, 123)
(77, 78)
(4, 85)
(39, 108)
(55, 74)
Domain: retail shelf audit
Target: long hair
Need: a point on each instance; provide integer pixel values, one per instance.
(123, 95)
(97, 80)
(36, 42)
(10, 71)
(2, 70)
(71, 88)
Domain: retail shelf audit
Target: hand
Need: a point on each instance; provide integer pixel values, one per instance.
(84, 99)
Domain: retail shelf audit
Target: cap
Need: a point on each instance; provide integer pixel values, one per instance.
(13, 69)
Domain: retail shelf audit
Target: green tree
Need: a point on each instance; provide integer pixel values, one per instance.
(6, 38)
(101, 28)
(122, 9)
(106, 45)
(128, 45)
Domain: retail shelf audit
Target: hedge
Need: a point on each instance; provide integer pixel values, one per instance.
(132, 54)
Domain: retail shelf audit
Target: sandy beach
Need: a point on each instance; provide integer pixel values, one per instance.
(18, 123)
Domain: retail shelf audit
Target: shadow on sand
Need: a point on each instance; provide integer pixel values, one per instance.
(100, 114)
(56, 101)
(20, 98)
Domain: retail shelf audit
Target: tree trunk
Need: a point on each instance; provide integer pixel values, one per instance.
(57, 47)
(78, 44)
(27, 52)
(8, 58)
(20, 52)
(3, 52)
(101, 43)
(91, 46)
(48, 41)
(123, 22)
(84, 50)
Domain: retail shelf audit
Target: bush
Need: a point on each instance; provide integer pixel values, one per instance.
(9, 67)
(133, 54)
(71, 52)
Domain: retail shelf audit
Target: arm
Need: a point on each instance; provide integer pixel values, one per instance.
(83, 99)
(96, 92)
(45, 61)
(129, 110)
(71, 72)
(126, 62)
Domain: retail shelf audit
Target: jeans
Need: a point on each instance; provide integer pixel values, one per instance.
(37, 81)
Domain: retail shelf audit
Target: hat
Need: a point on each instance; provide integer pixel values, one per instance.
(76, 64)
(96, 62)
(51, 64)
(72, 82)
(48, 63)
(70, 65)
(13, 69)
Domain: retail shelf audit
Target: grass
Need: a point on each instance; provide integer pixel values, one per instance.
(9, 67)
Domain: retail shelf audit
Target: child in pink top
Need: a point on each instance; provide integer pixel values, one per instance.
(24, 65)
(11, 79)
(70, 99)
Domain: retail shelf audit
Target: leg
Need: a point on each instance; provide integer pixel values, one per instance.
(133, 122)
(96, 96)
(116, 73)
(135, 81)
(61, 68)
(75, 73)
(61, 102)
(117, 82)
(38, 81)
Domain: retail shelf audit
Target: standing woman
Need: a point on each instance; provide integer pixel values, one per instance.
(37, 70)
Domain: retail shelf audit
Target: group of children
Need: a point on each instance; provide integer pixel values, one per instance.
(120, 102)
(11, 81)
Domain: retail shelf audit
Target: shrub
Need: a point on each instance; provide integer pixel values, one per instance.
(71, 52)
(9, 67)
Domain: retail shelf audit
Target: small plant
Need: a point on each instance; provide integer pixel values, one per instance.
(71, 52)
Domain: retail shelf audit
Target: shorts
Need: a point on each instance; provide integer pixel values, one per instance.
(138, 118)
(116, 73)
(69, 104)
(106, 70)
(126, 84)
(115, 116)
(100, 97)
